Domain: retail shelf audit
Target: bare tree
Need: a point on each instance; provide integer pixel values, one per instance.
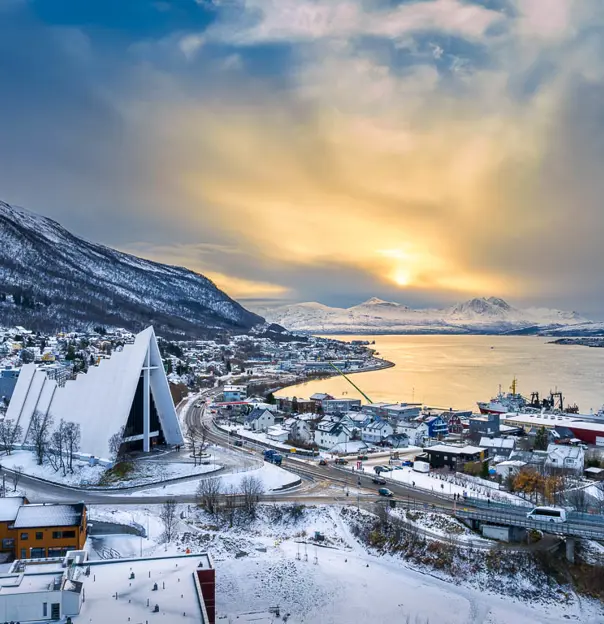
(73, 436)
(169, 518)
(10, 432)
(56, 449)
(208, 494)
(115, 445)
(232, 502)
(17, 473)
(39, 433)
(192, 437)
(251, 489)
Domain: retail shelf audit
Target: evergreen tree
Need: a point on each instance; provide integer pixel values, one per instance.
(541, 440)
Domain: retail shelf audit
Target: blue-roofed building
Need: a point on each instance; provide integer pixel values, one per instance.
(437, 427)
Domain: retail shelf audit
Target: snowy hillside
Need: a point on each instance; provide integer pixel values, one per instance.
(492, 315)
(51, 279)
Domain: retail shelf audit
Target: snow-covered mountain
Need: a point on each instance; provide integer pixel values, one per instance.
(51, 279)
(480, 315)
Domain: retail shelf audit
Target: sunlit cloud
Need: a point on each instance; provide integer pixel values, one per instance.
(334, 149)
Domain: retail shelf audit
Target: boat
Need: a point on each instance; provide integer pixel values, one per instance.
(504, 403)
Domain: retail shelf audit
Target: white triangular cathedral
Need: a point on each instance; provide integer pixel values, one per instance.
(129, 390)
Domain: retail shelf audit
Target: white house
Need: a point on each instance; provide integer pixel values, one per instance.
(567, 458)
(416, 432)
(329, 434)
(298, 429)
(259, 419)
(509, 467)
(277, 433)
(377, 431)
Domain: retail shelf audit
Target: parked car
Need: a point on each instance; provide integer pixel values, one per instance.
(379, 480)
(340, 461)
(378, 469)
(362, 457)
(386, 468)
(322, 462)
(407, 462)
(385, 492)
(238, 443)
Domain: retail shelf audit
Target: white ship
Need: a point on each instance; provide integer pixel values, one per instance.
(504, 403)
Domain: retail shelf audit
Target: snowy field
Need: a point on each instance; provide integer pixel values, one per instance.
(145, 471)
(271, 561)
(272, 477)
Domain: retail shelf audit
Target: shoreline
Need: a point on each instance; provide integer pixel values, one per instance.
(384, 364)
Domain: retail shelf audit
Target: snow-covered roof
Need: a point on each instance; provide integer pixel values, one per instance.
(454, 450)
(100, 400)
(49, 515)
(497, 443)
(9, 507)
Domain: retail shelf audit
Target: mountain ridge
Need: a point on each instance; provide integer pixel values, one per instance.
(53, 279)
(491, 315)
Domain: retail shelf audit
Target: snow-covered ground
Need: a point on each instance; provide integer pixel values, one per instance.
(272, 477)
(444, 484)
(273, 561)
(144, 471)
(255, 436)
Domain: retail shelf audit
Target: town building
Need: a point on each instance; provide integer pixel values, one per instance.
(565, 458)
(441, 455)
(498, 447)
(277, 433)
(179, 588)
(377, 432)
(9, 508)
(416, 432)
(437, 427)
(298, 429)
(49, 530)
(259, 419)
(339, 406)
(328, 434)
(234, 393)
(126, 394)
(488, 425)
(295, 405)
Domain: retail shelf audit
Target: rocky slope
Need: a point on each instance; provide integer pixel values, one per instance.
(51, 280)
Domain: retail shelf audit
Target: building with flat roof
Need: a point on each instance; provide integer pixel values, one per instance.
(178, 588)
(453, 456)
(126, 394)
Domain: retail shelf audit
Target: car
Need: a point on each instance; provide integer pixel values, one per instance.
(407, 462)
(386, 468)
(238, 443)
(398, 467)
(378, 469)
(385, 492)
(322, 462)
(362, 457)
(379, 480)
(340, 461)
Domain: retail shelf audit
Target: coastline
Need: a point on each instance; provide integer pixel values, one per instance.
(383, 365)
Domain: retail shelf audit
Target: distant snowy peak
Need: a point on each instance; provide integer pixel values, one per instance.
(479, 315)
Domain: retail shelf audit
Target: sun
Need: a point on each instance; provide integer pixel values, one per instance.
(402, 277)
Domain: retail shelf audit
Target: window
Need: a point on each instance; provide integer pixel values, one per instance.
(39, 535)
(68, 534)
(8, 544)
(44, 609)
(37, 553)
(56, 535)
(24, 536)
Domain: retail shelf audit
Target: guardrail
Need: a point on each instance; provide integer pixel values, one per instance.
(568, 528)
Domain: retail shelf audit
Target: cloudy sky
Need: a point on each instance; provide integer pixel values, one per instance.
(423, 151)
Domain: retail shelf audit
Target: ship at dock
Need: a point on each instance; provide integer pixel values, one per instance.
(513, 401)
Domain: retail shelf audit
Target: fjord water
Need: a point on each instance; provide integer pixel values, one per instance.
(457, 371)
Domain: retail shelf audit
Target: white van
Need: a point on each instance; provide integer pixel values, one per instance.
(547, 514)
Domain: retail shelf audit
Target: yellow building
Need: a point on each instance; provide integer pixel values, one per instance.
(49, 530)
